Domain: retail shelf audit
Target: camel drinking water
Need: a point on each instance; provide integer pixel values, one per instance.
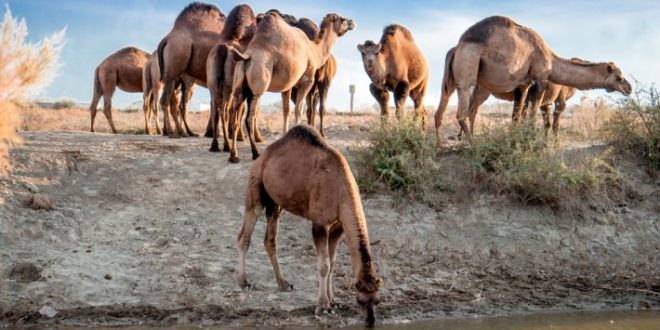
(302, 174)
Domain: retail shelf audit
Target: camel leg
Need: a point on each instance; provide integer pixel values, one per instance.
(165, 100)
(253, 208)
(322, 96)
(175, 111)
(253, 114)
(304, 88)
(310, 109)
(417, 95)
(270, 243)
(286, 109)
(560, 106)
(237, 115)
(186, 94)
(383, 98)
(147, 114)
(335, 234)
(225, 108)
(320, 234)
(214, 124)
(464, 96)
(519, 98)
(534, 100)
(478, 98)
(153, 105)
(400, 95)
(257, 134)
(447, 91)
(107, 110)
(545, 111)
(92, 109)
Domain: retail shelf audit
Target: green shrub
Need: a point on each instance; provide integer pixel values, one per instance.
(517, 161)
(400, 157)
(63, 104)
(636, 126)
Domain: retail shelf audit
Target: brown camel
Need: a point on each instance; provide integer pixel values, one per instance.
(553, 94)
(278, 58)
(184, 51)
(322, 78)
(304, 175)
(396, 64)
(501, 55)
(152, 85)
(122, 69)
(237, 33)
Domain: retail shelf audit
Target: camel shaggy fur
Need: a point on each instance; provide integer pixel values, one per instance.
(304, 175)
(396, 64)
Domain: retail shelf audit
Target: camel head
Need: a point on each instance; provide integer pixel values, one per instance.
(368, 297)
(616, 81)
(337, 23)
(370, 58)
(289, 19)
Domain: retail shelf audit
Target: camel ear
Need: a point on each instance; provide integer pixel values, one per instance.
(379, 283)
(610, 68)
(360, 48)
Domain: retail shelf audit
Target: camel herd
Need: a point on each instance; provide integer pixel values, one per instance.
(241, 56)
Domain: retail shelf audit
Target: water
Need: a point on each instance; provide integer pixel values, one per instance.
(638, 320)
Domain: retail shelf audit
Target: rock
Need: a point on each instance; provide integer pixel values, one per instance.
(31, 187)
(25, 272)
(48, 311)
(41, 202)
(107, 276)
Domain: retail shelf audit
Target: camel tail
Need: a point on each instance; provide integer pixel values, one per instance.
(97, 83)
(238, 55)
(161, 57)
(448, 84)
(221, 58)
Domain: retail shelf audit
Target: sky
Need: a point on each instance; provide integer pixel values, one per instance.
(624, 32)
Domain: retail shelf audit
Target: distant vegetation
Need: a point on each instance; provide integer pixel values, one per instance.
(63, 104)
(23, 66)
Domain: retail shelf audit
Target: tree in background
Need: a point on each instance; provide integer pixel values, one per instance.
(24, 68)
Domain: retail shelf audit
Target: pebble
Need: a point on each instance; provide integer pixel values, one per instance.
(48, 311)
(31, 187)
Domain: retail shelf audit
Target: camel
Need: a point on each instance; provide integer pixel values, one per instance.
(396, 64)
(322, 78)
(184, 50)
(122, 69)
(501, 56)
(304, 175)
(152, 85)
(237, 33)
(278, 58)
(553, 94)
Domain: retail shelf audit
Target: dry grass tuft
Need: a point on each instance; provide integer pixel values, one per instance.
(41, 202)
(23, 67)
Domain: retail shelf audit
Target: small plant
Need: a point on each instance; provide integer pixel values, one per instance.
(636, 126)
(517, 161)
(400, 157)
(63, 104)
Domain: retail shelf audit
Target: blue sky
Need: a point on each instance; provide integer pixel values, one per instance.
(625, 32)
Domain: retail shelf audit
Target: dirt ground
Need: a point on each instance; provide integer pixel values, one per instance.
(138, 229)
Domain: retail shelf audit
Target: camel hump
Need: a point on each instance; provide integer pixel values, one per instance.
(196, 9)
(307, 135)
(390, 31)
(132, 50)
(482, 30)
(309, 27)
(238, 23)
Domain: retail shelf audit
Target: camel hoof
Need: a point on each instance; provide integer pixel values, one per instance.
(226, 148)
(258, 139)
(321, 309)
(214, 146)
(255, 155)
(234, 159)
(174, 136)
(208, 134)
(240, 138)
(193, 134)
(285, 287)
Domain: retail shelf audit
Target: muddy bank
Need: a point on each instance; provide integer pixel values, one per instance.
(142, 230)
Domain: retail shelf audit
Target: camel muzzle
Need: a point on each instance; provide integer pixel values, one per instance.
(351, 24)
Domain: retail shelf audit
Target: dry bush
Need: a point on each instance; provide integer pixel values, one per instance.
(518, 162)
(635, 127)
(23, 67)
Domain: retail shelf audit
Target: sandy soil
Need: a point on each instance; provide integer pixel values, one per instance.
(142, 231)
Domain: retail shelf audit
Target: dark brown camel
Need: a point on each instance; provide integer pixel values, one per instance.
(304, 175)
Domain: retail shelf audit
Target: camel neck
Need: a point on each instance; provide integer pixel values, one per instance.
(325, 42)
(351, 216)
(580, 76)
